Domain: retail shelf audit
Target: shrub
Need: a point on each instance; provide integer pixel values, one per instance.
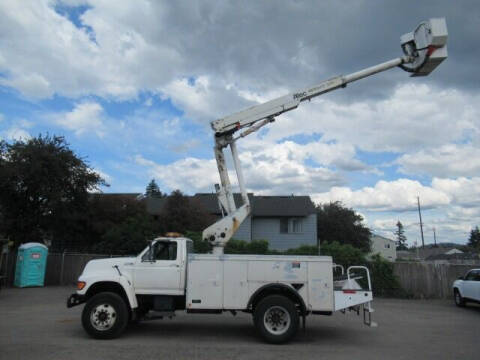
(384, 281)
(255, 247)
(199, 245)
(343, 254)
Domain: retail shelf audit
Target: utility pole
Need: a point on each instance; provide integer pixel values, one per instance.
(421, 224)
(434, 238)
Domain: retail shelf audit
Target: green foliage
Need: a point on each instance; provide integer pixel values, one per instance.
(258, 247)
(384, 281)
(401, 238)
(302, 250)
(127, 238)
(153, 190)
(199, 245)
(106, 213)
(181, 214)
(345, 255)
(43, 189)
(338, 223)
(474, 239)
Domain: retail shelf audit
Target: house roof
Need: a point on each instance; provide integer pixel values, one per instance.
(262, 206)
(375, 237)
(427, 253)
(134, 196)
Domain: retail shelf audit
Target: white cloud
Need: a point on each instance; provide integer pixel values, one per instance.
(108, 178)
(85, 117)
(17, 133)
(275, 169)
(451, 206)
(44, 53)
(462, 191)
(32, 85)
(448, 160)
(397, 195)
(189, 175)
(16, 129)
(414, 117)
(203, 98)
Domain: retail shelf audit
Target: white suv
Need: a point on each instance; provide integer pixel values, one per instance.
(467, 288)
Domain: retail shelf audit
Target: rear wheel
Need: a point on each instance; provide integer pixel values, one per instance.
(105, 316)
(459, 300)
(276, 319)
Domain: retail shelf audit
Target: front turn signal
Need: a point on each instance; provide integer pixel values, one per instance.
(81, 285)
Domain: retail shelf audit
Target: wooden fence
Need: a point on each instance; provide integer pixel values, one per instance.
(429, 280)
(418, 279)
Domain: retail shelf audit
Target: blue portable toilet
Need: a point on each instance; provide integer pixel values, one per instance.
(31, 265)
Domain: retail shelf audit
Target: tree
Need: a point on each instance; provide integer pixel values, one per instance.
(106, 212)
(338, 223)
(153, 190)
(128, 237)
(43, 189)
(401, 238)
(474, 239)
(181, 214)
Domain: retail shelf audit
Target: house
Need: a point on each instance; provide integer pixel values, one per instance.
(284, 221)
(383, 246)
(454, 251)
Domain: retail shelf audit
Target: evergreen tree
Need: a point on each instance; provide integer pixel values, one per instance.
(401, 238)
(474, 240)
(153, 190)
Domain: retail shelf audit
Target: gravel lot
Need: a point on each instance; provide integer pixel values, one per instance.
(35, 324)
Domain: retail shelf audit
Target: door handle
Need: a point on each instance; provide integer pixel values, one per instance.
(175, 265)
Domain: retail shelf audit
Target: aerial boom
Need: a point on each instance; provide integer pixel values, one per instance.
(424, 49)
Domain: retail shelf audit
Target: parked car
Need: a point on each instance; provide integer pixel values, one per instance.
(467, 288)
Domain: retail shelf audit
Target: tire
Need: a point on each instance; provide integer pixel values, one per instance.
(105, 316)
(459, 300)
(276, 319)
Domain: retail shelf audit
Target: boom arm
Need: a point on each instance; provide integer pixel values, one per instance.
(424, 49)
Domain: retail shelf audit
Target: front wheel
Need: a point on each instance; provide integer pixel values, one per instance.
(459, 300)
(105, 316)
(276, 319)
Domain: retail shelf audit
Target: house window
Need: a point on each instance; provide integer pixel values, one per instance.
(387, 246)
(284, 226)
(291, 226)
(296, 226)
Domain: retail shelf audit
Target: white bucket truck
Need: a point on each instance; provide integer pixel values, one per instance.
(277, 290)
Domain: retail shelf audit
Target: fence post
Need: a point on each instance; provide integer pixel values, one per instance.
(61, 267)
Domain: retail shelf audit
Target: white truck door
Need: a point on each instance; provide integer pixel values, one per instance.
(477, 286)
(160, 272)
(469, 285)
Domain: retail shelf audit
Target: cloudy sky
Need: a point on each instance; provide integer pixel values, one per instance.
(133, 85)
